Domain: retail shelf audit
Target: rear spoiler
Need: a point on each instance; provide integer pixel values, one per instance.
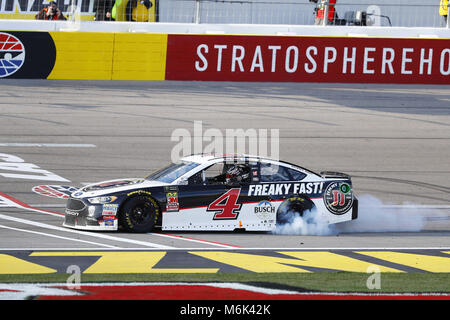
(333, 174)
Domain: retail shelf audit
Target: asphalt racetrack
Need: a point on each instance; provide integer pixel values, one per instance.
(393, 139)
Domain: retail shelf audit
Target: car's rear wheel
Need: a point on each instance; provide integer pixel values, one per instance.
(292, 208)
(139, 214)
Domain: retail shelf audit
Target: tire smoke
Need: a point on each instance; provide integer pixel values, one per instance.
(373, 216)
(376, 216)
(310, 224)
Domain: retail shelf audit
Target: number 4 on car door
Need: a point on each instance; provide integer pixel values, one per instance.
(226, 206)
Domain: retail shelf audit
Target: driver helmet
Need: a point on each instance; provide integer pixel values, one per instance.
(237, 173)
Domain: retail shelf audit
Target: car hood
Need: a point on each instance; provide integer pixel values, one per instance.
(106, 187)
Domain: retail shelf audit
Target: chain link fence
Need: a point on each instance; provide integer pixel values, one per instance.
(402, 13)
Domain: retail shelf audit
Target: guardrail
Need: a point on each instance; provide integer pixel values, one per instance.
(403, 13)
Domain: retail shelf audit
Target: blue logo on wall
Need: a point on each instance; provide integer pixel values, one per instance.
(12, 54)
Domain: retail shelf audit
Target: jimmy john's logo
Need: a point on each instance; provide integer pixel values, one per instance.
(12, 54)
(338, 197)
(279, 189)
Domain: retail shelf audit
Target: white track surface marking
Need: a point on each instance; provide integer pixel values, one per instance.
(49, 145)
(59, 237)
(91, 234)
(222, 245)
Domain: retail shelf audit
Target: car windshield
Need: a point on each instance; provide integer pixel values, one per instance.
(172, 172)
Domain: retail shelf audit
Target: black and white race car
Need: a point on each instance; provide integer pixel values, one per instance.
(213, 192)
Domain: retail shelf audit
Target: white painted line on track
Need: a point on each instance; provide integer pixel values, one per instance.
(91, 234)
(21, 291)
(49, 145)
(10, 202)
(4, 205)
(59, 237)
(172, 236)
(229, 249)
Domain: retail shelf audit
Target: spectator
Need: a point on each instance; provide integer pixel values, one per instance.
(52, 12)
(443, 9)
(320, 11)
(138, 10)
(103, 10)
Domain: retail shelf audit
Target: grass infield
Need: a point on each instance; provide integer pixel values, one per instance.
(323, 281)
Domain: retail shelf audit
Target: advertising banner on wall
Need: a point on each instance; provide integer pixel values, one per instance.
(307, 59)
(29, 55)
(152, 56)
(82, 55)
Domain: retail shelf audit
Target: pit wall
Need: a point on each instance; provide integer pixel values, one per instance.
(154, 51)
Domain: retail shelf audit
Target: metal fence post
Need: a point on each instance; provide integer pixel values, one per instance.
(448, 18)
(197, 11)
(325, 14)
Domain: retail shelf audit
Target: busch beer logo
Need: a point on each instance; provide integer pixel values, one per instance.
(338, 197)
(12, 54)
(264, 209)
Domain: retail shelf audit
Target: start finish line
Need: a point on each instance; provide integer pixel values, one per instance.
(205, 261)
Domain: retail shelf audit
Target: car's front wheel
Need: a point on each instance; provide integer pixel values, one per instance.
(139, 214)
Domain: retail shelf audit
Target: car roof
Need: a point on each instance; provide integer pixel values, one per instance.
(204, 158)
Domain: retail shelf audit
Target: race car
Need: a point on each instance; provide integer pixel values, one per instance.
(207, 192)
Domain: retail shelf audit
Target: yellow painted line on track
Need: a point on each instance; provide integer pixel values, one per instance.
(419, 261)
(259, 263)
(13, 265)
(125, 262)
(281, 261)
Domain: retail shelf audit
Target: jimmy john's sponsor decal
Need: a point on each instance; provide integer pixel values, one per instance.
(264, 210)
(338, 197)
(279, 189)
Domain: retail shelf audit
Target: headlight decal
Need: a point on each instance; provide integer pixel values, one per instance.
(102, 200)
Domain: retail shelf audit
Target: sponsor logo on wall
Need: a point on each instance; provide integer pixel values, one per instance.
(26, 55)
(12, 54)
(306, 59)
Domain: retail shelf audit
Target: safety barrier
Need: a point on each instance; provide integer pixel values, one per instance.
(212, 57)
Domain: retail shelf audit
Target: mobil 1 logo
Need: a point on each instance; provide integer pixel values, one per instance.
(338, 197)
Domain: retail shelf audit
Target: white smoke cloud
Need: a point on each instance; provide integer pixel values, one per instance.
(376, 216)
(311, 224)
(373, 216)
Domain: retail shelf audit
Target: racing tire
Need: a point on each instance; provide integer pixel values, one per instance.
(291, 208)
(139, 214)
